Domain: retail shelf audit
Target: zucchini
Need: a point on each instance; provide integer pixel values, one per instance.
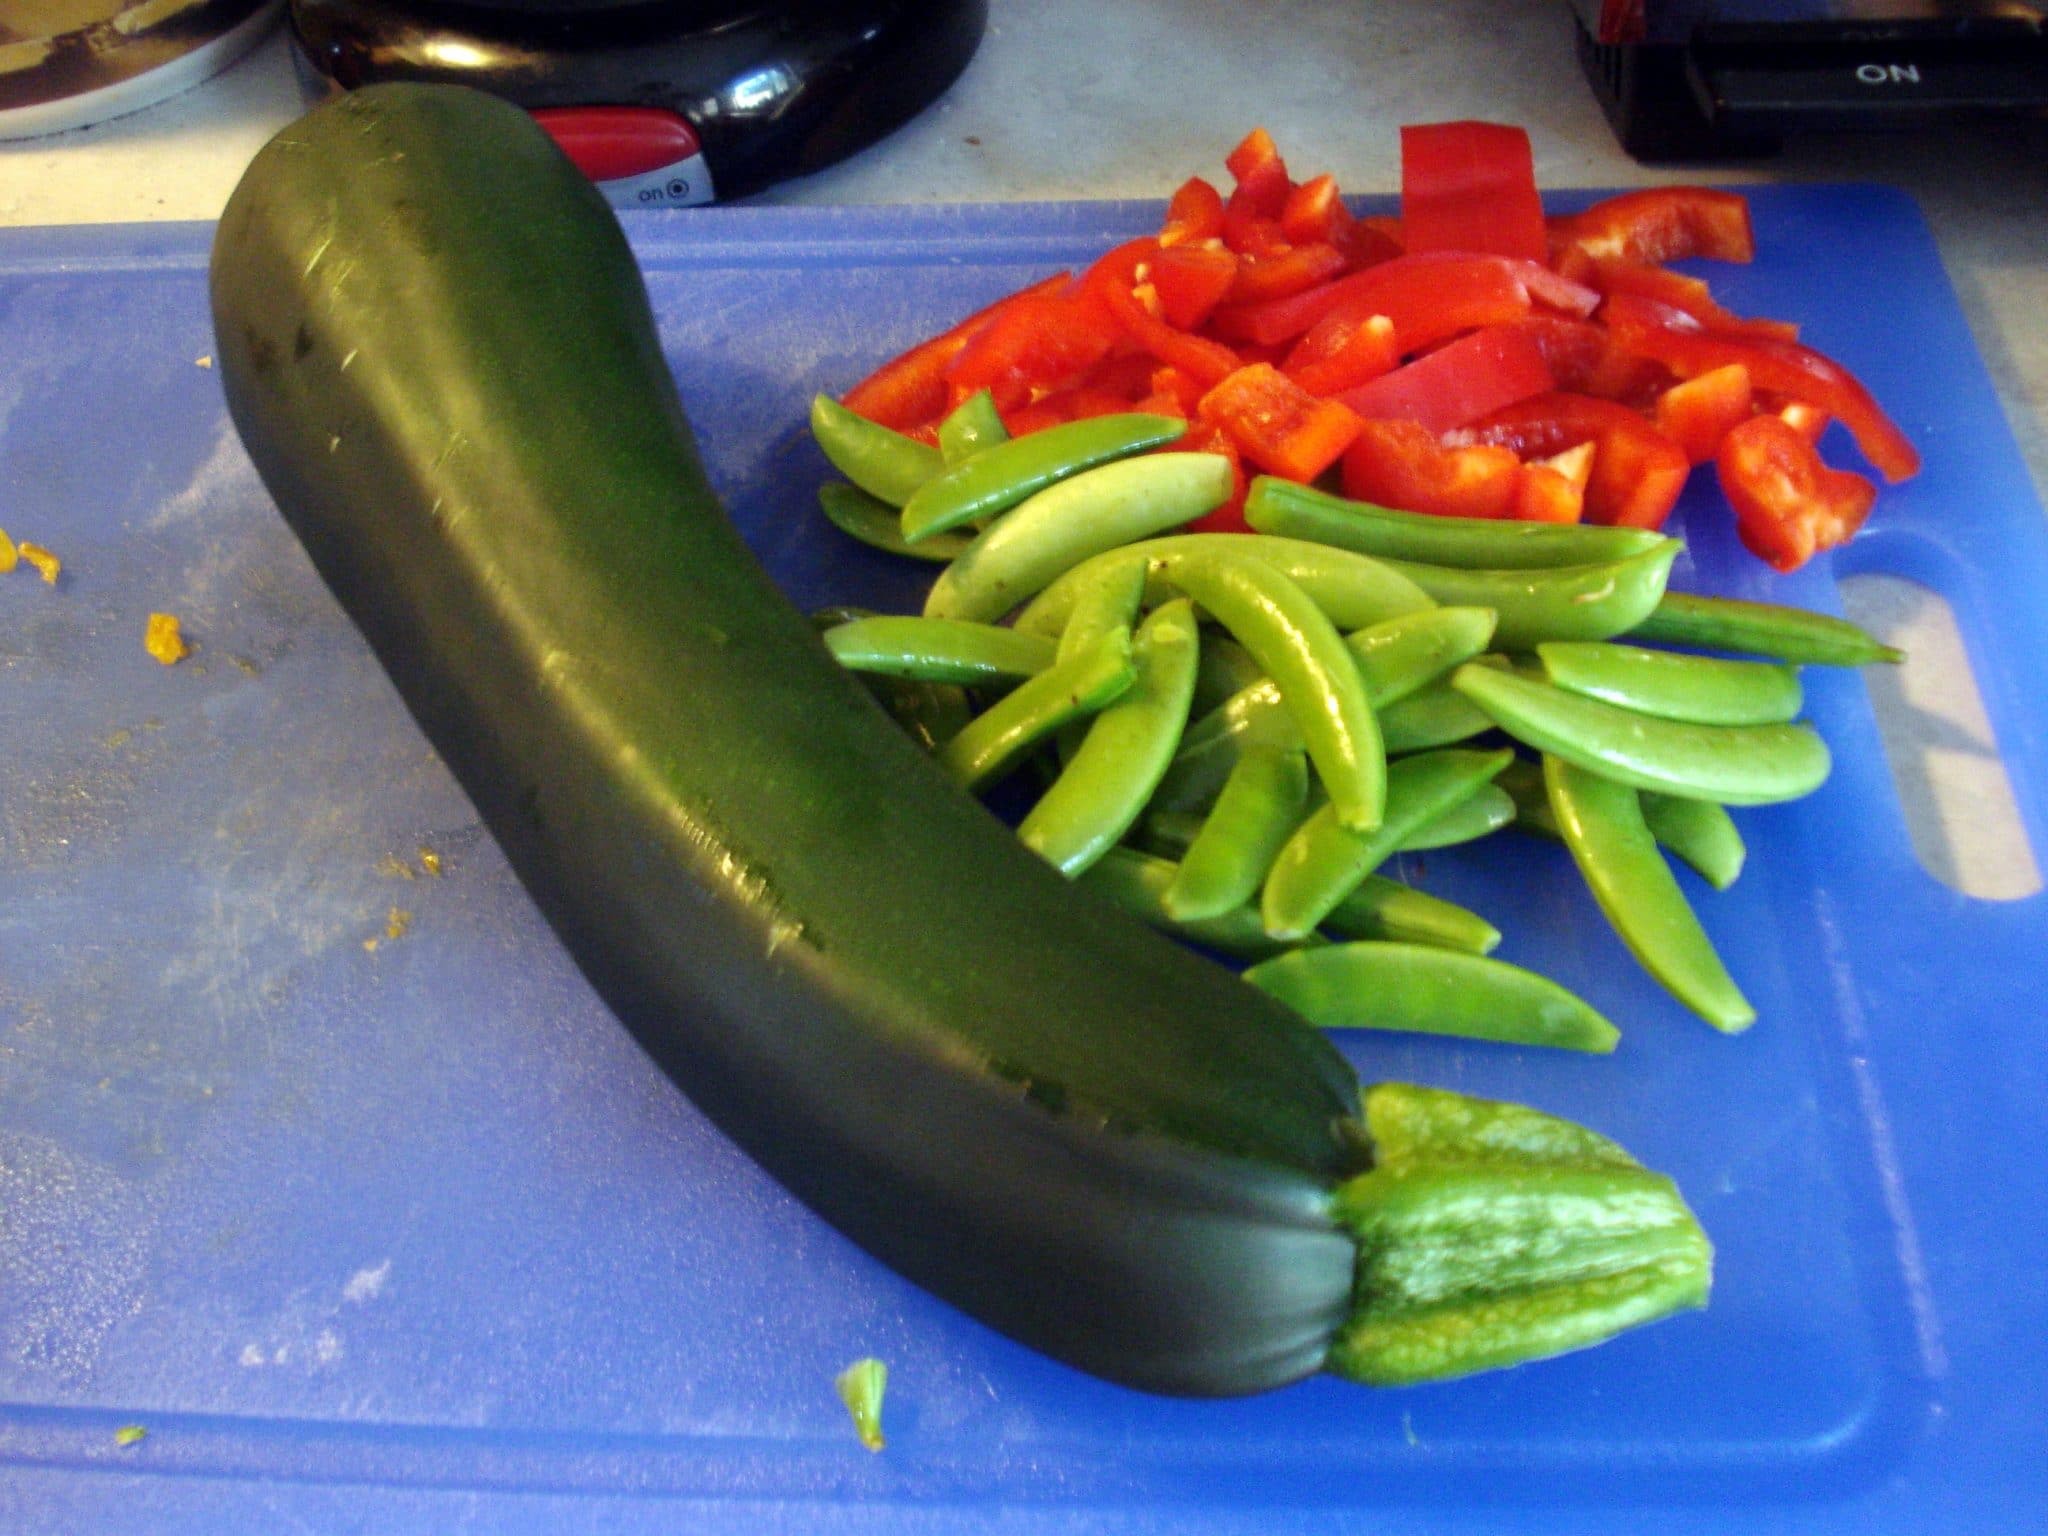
(1067, 1125)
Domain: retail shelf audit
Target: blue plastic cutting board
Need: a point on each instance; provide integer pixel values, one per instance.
(330, 1173)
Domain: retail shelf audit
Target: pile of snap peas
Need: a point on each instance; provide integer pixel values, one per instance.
(1235, 732)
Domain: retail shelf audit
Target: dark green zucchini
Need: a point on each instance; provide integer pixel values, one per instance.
(438, 351)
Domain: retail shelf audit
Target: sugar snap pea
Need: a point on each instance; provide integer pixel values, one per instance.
(881, 461)
(1354, 590)
(1109, 601)
(1564, 602)
(996, 740)
(1103, 789)
(1485, 812)
(1700, 833)
(1226, 668)
(1761, 629)
(1383, 908)
(938, 650)
(880, 526)
(1324, 861)
(1297, 511)
(1602, 823)
(1709, 690)
(1009, 472)
(1434, 716)
(1261, 803)
(1301, 650)
(1420, 989)
(1136, 882)
(1733, 764)
(1061, 526)
(972, 425)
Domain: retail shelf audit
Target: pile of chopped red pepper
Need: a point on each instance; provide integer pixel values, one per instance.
(1471, 357)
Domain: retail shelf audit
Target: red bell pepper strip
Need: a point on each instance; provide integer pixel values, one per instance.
(1788, 504)
(1111, 281)
(1206, 437)
(1428, 297)
(1313, 211)
(1342, 352)
(1470, 186)
(1697, 413)
(1190, 281)
(1782, 367)
(1037, 343)
(1194, 214)
(1282, 273)
(1399, 464)
(1638, 472)
(1553, 490)
(1459, 382)
(1277, 424)
(1687, 295)
(910, 390)
(1660, 224)
(1585, 359)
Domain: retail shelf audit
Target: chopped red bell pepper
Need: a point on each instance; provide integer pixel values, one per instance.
(1342, 352)
(1313, 211)
(1277, 424)
(1402, 465)
(1470, 186)
(1783, 367)
(1553, 490)
(1459, 382)
(1788, 504)
(1207, 437)
(1687, 295)
(1638, 472)
(911, 390)
(1660, 224)
(1194, 214)
(1585, 359)
(1697, 413)
(1282, 273)
(1190, 281)
(1111, 280)
(1035, 344)
(1428, 297)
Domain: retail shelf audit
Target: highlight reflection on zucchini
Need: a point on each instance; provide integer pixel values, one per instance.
(1075, 1129)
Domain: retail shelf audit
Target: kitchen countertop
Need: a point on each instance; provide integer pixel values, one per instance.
(1077, 99)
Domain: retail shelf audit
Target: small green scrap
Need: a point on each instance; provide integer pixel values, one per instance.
(860, 1387)
(130, 1434)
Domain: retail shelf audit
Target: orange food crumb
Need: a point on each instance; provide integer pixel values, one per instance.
(46, 564)
(164, 638)
(10, 557)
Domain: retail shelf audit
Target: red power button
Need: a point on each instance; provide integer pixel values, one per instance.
(638, 155)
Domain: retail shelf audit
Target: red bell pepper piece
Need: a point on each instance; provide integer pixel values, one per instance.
(1228, 517)
(1399, 464)
(1342, 352)
(911, 390)
(1470, 186)
(1688, 295)
(1277, 424)
(1553, 490)
(1638, 472)
(1782, 367)
(1428, 297)
(1194, 214)
(1313, 212)
(1035, 344)
(1788, 504)
(1459, 382)
(1697, 413)
(1282, 273)
(1660, 224)
(1111, 280)
(1585, 359)
(1190, 281)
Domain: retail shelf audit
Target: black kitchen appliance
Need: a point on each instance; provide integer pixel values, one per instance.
(1691, 79)
(666, 102)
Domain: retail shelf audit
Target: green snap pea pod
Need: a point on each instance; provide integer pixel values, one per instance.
(939, 650)
(1136, 882)
(881, 461)
(1564, 602)
(1109, 600)
(1700, 833)
(1522, 782)
(1395, 660)
(1732, 764)
(1602, 823)
(1008, 473)
(971, 426)
(1454, 1190)
(1103, 789)
(1061, 526)
(1435, 716)
(1386, 909)
(1301, 650)
(1325, 861)
(880, 526)
(1420, 989)
(1760, 629)
(1708, 690)
(1297, 511)
(1485, 813)
(997, 739)
(1261, 804)
(1226, 668)
(931, 714)
(1353, 590)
